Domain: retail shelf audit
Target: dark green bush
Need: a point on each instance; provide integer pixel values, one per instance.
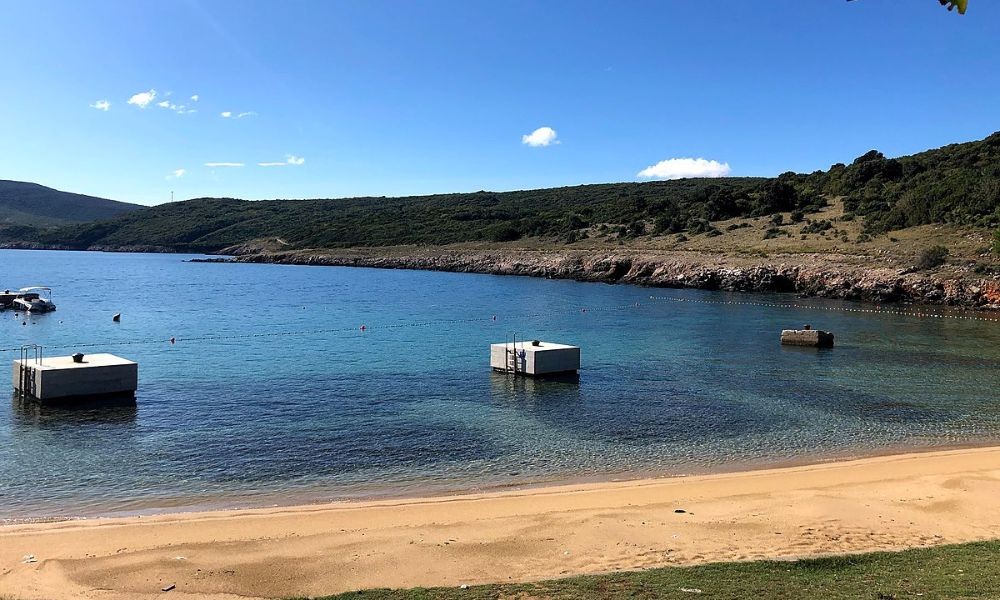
(935, 256)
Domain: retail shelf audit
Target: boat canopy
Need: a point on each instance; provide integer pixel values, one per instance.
(35, 288)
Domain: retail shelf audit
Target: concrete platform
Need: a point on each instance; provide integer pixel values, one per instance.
(540, 358)
(60, 379)
(807, 337)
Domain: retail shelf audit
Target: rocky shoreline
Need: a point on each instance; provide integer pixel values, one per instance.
(845, 277)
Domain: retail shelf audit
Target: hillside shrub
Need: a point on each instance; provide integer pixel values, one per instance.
(935, 256)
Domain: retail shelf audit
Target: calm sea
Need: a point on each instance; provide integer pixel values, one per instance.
(273, 394)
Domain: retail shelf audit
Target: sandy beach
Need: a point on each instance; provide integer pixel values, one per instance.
(882, 503)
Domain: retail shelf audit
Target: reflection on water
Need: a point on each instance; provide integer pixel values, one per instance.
(28, 412)
(506, 388)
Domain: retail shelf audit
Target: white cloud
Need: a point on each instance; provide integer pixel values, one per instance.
(194, 98)
(290, 159)
(142, 99)
(543, 136)
(248, 113)
(229, 114)
(180, 109)
(223, 164)
(226, 114)
(680, 168)
(101, 105)
(177, 174)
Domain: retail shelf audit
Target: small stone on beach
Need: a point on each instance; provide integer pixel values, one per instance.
(168, 588)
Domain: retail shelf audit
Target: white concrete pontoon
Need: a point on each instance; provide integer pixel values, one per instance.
(71, 378)
(535, 358)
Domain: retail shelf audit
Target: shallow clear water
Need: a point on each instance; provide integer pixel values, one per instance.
(410, 406)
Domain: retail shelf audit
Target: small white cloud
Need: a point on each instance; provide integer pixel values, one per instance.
(226, 114)
(248, 113)
(180, 109)
(194, 98)
(543, 136)
(177, 174)
(224, 164)
(290, 159)
(101, 105)
(142, 99)
(229, 114)
(680, 168)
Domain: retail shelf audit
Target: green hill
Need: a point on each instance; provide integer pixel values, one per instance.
(34, 205)
(957, 184)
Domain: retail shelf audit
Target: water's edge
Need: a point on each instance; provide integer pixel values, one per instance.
(837, 277)
(317, 498)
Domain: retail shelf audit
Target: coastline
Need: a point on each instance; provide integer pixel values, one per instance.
(834, 276)
(315, 496)
(879, 503)
(881, 279)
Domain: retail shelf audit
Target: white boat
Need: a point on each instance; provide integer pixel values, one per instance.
(34, 299)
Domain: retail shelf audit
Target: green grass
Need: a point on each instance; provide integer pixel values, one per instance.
(946, 572)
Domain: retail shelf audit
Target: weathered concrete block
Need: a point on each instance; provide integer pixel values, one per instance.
(807, 337)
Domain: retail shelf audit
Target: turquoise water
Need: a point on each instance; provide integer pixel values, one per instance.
(273, 394)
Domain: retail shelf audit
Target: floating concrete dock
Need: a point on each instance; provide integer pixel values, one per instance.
(75, 378)
(535, 358)
(807, 337)
(7, 298)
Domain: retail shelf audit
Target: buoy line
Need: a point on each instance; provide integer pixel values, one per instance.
(362, 327)
(876, 310)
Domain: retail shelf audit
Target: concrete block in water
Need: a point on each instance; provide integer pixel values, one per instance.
(807, 337)
(539, 358)
(60, 378)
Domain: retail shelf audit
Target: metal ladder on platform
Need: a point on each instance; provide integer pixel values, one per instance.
(512, 358)
(31, 354)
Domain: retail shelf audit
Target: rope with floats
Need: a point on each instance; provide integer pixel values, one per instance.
(363, 328)
(876, 310)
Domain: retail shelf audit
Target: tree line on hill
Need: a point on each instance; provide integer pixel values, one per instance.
(958, 184)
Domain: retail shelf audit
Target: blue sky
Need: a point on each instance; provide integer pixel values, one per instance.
(398, 98)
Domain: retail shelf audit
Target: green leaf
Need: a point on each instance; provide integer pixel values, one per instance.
(962, 5)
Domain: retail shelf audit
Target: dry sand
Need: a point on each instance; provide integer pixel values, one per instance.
(882, 503)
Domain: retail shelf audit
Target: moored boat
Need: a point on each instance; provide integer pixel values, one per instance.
(34, 299)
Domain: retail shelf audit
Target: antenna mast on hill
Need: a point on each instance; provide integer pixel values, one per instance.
(171, 195)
